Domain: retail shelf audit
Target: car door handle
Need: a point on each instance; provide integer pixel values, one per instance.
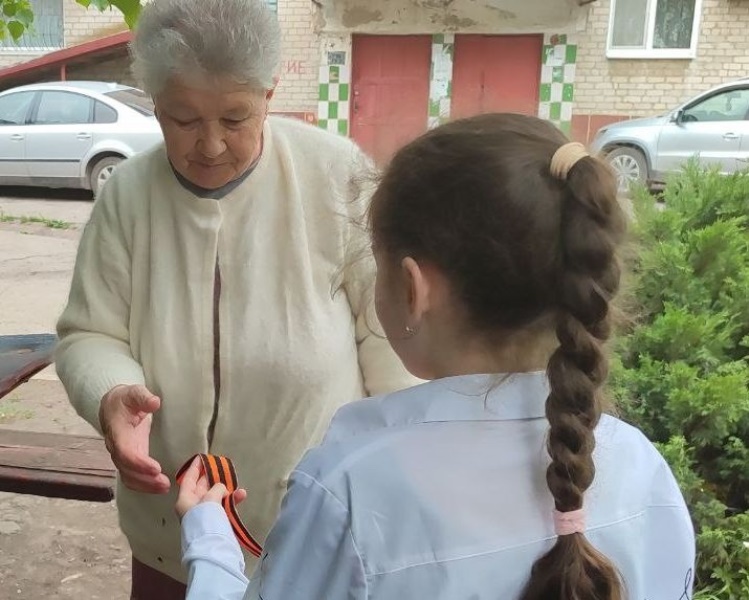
(730, 136)
(84, 136)
(17, 137)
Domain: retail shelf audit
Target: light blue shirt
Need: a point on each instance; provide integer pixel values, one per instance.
(439, 492)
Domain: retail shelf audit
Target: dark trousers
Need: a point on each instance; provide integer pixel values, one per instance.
(150, 584)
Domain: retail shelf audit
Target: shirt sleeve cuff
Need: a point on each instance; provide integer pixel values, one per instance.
(207, 518)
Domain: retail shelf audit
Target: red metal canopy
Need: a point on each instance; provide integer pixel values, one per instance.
(54, 64)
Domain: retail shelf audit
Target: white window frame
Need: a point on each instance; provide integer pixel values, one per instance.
(649, 51)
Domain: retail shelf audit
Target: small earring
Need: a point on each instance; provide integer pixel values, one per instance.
(410, 331)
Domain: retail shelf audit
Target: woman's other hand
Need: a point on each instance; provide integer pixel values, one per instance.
(194, 490)
(125, 414)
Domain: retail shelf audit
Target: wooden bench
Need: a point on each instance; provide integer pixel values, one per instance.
(47, 464)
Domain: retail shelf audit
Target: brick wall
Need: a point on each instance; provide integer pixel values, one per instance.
(113, 69)
(298, 88)
(84, 25)
(615, 89)
(9, 58)
(80, 25)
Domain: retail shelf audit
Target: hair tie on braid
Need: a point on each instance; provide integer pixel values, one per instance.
(567, 523)
(566, 157)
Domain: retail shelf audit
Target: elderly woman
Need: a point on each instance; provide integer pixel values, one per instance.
(220, 301)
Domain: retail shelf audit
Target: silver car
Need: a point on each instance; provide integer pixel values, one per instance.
(72, 134)
(713, 127)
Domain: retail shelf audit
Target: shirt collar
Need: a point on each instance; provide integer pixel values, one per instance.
(497, 397)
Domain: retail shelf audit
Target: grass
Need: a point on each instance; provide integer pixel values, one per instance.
(10, 410)
(23, 220)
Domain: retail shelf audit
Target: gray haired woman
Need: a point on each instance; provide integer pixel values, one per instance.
(220, 303)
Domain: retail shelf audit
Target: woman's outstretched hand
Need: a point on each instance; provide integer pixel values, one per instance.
(125, 414)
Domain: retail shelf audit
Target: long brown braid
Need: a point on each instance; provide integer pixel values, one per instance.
(592, 227)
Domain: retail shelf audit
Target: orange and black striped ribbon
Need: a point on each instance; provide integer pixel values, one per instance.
(219, 469)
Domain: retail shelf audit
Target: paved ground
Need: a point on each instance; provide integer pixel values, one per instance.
(49, 548)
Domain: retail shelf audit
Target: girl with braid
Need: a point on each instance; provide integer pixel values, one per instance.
(501, 478)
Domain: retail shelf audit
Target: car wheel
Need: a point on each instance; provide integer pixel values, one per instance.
(102, 171)
(630, 167)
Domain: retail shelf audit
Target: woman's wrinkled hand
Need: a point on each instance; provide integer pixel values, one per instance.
(125, 414)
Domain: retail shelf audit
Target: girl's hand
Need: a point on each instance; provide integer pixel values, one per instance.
(194, 490)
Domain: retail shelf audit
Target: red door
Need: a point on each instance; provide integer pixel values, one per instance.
(494, 73)
(390, 100)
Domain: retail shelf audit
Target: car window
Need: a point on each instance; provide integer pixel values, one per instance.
(14, 108)
(729, 105)
(62, 108)
(104, 113)
(135, 99)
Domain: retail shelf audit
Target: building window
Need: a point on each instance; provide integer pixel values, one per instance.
(273, 4)
(654, 28)
(47, 31)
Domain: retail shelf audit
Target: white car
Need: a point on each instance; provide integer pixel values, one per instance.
(712, 127)
(72, 133)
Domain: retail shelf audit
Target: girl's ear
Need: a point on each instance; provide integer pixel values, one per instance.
(417, 288)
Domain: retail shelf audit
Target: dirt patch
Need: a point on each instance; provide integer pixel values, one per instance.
(68, 231)
(51, 548)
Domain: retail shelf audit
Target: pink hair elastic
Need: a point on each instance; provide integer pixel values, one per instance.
(567, 523)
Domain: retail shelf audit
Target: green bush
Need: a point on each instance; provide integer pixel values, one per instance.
(681, 367)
